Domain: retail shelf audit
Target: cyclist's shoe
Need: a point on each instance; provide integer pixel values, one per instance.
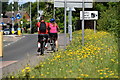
(46, 46)
(38, 50)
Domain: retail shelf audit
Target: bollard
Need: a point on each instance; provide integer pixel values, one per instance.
(19, 31)
(1, 44)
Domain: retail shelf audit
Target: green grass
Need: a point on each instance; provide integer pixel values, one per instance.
(97, 59)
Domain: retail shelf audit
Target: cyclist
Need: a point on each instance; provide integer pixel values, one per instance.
(42, 31)
(53, 31)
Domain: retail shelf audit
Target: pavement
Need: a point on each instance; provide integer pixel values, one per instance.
(14, 65)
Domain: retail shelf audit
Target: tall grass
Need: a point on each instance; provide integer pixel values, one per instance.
(97, 59)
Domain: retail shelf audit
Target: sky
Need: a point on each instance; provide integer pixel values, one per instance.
(22, 1)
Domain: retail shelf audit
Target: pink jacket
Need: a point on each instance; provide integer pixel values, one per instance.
(53, 29)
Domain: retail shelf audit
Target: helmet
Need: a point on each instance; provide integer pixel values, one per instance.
(52, 20)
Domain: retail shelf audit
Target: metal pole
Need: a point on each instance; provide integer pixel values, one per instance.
(83, 6)
(65, 24)
(54, 11)
(22, 19)
(13, 16)
(94, 26)
(38, 8)
(30, 19)
(70, 24)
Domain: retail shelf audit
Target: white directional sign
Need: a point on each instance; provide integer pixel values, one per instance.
(73, 3)
(89, 15)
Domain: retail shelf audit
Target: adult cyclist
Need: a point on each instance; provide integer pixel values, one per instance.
(42, 28)
(53, 31)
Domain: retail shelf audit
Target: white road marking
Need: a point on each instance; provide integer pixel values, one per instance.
(13, 42)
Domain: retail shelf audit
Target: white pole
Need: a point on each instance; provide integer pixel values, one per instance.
(70, 24)
(54, 11)
(83, 23)
(94, 26)
(65, 24)
(13, 16)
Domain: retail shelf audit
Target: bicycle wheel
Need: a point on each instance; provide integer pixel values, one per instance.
(53, 45)
(42, 47)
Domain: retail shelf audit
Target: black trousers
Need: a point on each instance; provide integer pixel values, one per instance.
(40, 37)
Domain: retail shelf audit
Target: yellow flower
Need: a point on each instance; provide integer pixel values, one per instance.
(23, 70)
(104, 73)
(47, 72)
(13, 77)
(33, 77)
(70, 71)
(42, 65)
(106, 76)
(42, 74)
(101, 73)
(101, 77)
(112, 74)
(27, 68)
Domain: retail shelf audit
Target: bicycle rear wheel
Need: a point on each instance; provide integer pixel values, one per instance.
(42, 47)
(53, 46)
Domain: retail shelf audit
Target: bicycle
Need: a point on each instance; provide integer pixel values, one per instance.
(52, 43)
(42, 42)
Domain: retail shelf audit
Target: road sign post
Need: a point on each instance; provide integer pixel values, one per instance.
(65, 23)
(76, 4)
(90, 15)
(1, 44)
(83, 24)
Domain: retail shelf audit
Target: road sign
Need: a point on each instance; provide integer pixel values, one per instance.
(18, 16)
(12, 18)
(73, 3)
(89, 15)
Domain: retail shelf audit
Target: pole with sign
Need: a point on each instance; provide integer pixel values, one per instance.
(83, 24)
(65, 23)
(70, 22)
(90, 15)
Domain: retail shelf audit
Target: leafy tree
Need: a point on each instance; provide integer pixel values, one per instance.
(109, 19)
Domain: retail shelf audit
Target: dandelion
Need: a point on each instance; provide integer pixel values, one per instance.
(101, 77)
(23, 70)
(42, 74)
(101, 73)
(47, 72)
(106, 76)
(33, 77)
(13, 77)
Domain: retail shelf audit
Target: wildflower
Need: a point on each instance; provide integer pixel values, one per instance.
(42, 74)
(33, 77)
(101, 73)
(13, 77)
(47, 72)
(101, 77)
(23, 70)
(27, 68)
(106, 76)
